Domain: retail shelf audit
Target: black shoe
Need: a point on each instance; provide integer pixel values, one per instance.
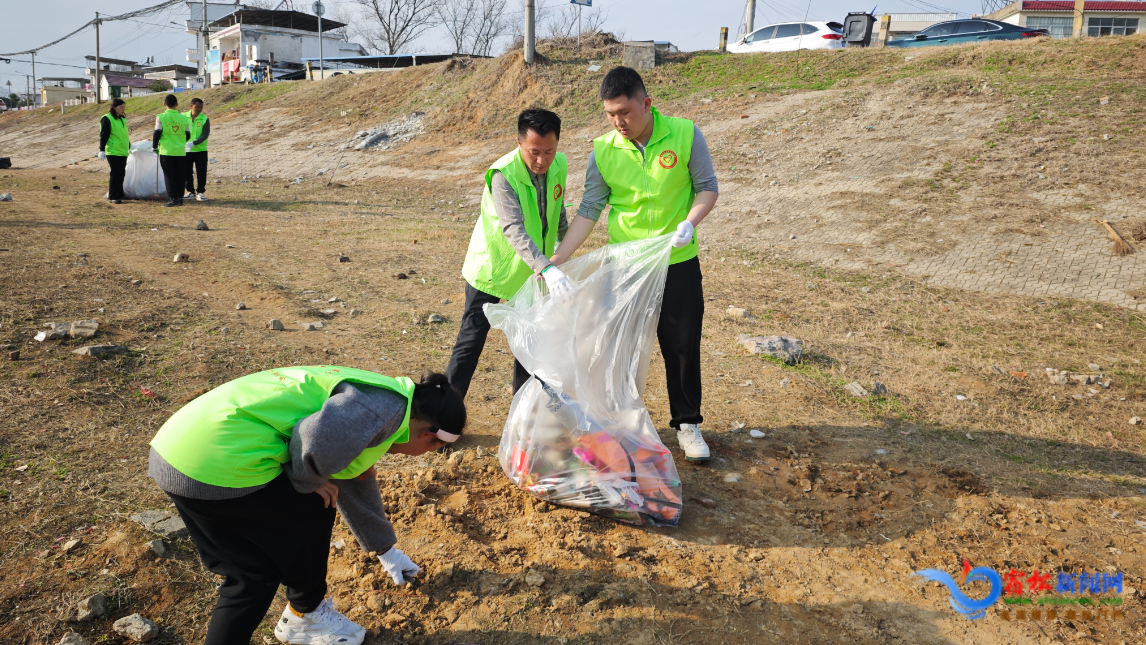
(171, 203)
(117, 201)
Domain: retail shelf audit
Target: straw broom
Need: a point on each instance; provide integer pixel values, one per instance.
(1121, 247)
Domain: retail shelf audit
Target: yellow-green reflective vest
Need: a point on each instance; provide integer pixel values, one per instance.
(118, 144)
(173, 141)
(491, 263)
(197, 129)
(237, 435)
(651, 194)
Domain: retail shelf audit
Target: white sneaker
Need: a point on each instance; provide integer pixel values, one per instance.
(323, 626)
(201, 197)
(692, 443)
(189, 196)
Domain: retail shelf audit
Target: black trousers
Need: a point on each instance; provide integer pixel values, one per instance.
(173, 176)
(678, 332)
(273, 536)
(471, 340)
(118, 167)
(197, 161)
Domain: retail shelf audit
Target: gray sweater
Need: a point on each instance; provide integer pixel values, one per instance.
(354, 418)
(511, 219)
(700, 169)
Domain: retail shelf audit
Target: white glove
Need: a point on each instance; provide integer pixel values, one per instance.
(102, 155)
(398, 565)
(683, 234)
(189, 146)
(559, 285)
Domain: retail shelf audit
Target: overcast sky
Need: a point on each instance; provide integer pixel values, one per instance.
(690, 24)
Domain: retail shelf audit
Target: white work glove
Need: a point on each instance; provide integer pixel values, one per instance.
(398, 565)
(559, 285)
(189, 146)
(683, 234)
(102, 155)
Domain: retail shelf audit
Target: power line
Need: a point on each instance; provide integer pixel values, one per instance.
(125, 16)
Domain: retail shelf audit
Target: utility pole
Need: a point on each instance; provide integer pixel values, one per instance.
(204, 46)
(750, 17)
(27, 90)
(98, 101)
(33, 74)
(318, 11)
(530, 45)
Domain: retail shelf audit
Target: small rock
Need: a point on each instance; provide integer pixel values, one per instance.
(737, 427)
(341, 258)
(333, 300)
(242, 306)
(354, 313)
(93, 606)
(181, 257)
(737, 312)
(436, 318)
(275, 325)
(960, 397)
(71, 638)
(201, 226)
(997, 370)
(1107, 137)
(70, 545)
(136, 282)
(1095, 367)
(790, 237)
(882, 451)
(878, 389)
(83, 329)
(534, 579)
(732, 478)
(100, 350)
(855, 389)
(756, 434)
(161, 522)
(318, 324)
(338, 544)
(704, 501)
(866, 289)
(446, 301)
(1135, 421)
(401, 276)
(309, 327)
(811, 286)
(136, 627)
(785, 348)
(157, 547)
(5, 197)
(1104, 100)
(785, 382)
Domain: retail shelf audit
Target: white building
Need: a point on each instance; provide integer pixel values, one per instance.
(1098, 18)
(279, 39)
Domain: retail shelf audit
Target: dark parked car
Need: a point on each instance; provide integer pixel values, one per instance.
(975, 30)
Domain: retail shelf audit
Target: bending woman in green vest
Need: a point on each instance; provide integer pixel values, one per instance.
(257, 466)
(522, 220)
(114, 146)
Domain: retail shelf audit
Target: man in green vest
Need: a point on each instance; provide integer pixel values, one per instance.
(257, 467)
(197, 150)
(655, 173)
(172, 132)
(522, 219)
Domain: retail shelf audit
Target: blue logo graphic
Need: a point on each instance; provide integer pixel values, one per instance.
(972, 609)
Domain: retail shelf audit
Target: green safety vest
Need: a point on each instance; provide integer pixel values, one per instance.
(651, 194)
(173, 141)
(197, 129)
(491, 264)
(238, 434)
(118, 144)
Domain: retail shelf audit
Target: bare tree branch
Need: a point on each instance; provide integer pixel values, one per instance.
(394, 24)
(457, 17)
(490, 26)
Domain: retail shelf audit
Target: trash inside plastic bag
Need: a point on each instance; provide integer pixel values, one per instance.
(143, 178)
(578, 433)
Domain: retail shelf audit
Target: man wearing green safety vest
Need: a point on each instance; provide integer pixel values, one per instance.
(257, 466)
(197, 150)
(656, 175)
(521, 222)
(172, 132)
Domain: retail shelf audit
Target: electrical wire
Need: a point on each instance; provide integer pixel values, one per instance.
(125, 16)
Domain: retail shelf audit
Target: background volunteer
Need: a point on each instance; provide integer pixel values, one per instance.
(196, 148)
(115, 146)
(256, 467)
(656, 174)
(521, 207)
(172, 132)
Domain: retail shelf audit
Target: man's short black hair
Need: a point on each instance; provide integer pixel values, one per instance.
(540, 121)
(622, 81)
(196, 100)
(171, 101)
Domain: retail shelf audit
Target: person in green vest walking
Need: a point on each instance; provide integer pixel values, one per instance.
(655, 173)
(115, 146)
(521, 222)
(172, 132)
(257, 466)
(197, 150)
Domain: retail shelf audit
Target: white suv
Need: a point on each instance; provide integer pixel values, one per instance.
(791, 36)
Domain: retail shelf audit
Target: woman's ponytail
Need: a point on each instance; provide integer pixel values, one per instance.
(436, 401)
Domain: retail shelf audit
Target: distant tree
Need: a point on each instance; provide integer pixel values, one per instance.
(562, 22)
(159, 85)
(391, 25)
(474, 26)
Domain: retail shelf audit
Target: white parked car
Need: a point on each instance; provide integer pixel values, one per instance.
(791, 36)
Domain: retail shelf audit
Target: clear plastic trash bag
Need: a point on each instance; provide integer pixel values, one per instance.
(143, 178)
(578, 433)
